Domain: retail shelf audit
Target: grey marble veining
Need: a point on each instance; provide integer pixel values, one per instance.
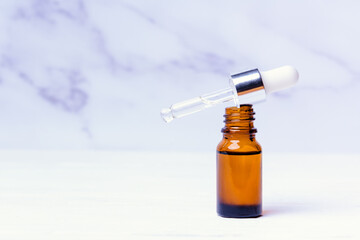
(95, 74)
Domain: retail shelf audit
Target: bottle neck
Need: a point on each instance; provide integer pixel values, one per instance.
(239, 122)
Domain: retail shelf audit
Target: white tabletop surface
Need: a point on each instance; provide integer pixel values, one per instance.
(135, 195)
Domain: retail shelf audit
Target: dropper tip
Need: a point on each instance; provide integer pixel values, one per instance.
(166, 115)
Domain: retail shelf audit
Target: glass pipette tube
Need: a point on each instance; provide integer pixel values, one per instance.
(196, 104)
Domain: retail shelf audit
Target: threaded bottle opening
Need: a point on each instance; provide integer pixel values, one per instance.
(244, 112)
(239, 119)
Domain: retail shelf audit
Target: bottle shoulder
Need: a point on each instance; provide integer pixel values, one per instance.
(239, 145)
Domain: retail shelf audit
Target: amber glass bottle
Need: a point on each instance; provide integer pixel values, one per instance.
(239, 166)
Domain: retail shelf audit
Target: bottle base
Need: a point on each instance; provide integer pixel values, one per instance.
(239, 211)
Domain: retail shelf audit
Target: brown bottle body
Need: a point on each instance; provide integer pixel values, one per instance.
(239, 166)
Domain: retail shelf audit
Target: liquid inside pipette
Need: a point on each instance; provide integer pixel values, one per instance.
(197, 104)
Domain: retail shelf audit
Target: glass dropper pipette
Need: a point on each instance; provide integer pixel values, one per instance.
(246, 87)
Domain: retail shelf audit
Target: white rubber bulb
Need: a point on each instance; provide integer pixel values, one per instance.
(279, 78)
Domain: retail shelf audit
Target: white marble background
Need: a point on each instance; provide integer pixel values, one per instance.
(94, 74)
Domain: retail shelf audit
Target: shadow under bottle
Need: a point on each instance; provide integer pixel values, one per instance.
(239, 166)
